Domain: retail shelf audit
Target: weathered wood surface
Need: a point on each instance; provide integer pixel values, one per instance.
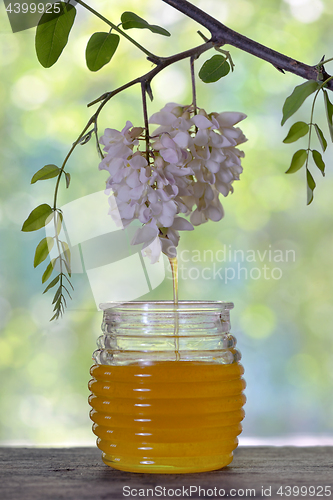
(79, 474)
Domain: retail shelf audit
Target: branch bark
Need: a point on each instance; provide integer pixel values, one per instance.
(147, 77)
(221, 35)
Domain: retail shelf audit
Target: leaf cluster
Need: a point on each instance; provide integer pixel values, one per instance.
(53, 32)
(301, 129)
(39, 218)
(54, 29)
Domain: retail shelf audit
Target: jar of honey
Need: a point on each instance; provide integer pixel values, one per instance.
(167, 387)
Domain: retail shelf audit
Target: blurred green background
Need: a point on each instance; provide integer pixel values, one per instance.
(283, 326)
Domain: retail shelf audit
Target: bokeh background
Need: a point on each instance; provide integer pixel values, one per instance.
(283, 326)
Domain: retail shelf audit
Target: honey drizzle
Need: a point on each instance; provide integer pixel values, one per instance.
(174, 269)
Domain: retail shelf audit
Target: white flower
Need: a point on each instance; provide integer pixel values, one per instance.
(145, 234)
(209, 208)
(153, 250)
(113, 137)
(193, 158)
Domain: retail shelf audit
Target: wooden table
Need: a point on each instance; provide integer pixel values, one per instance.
(79, 474)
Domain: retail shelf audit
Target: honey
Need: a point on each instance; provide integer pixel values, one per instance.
(174, 270)
(167, 416)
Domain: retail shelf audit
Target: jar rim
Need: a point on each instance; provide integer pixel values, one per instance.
(168, 305)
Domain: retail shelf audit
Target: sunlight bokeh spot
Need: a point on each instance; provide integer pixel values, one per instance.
(29, 92)
(258, 321)
(306, 11)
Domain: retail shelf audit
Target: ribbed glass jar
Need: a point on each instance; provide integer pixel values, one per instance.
(167, 387)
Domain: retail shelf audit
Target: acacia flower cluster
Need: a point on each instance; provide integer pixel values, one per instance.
(192, 158)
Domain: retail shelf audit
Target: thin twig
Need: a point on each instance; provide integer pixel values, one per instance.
(147, 77)
(194, 92)
(145, 117)
(152, 57)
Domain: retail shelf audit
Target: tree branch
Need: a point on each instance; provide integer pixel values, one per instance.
(147, 77)
(222, 35)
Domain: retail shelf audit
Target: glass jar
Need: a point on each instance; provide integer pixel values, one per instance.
(167, 387)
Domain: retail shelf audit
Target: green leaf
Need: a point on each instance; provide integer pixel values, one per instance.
(43, 249)
(37, 218)
(317, 158)
(52, 34)
(297, 97)
(68, 179)
(57, 304)
(55, 316)
(215, 68)
(130, 20)
(69, 295)
(47, 172)
(68, 268)
(48, 271)
(329, 113)
(100, 49)
(57, 295)
(52, 284)
(60, 218)
(298, 130)
(321, 137)
(297, 161)
(66, 251)
(311, 185)
(70, 284)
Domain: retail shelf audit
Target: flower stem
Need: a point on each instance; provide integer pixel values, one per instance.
(66, 160)
(194, 92)
(55, 221)
(145, 117)
(311, 124)
(312, 110)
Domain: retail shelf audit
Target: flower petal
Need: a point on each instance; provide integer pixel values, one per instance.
(170, 155)
(138, 162)
(201, 121)
(127, 127)
(181, 224)
(197, 218)
(229, 118)
(182, 139)
(168, 248)
(133, 180)
(201, 138)
(163, 118)
(222, 188)
(215, 213)
(144, 234)
(212, 166)
(153, 250)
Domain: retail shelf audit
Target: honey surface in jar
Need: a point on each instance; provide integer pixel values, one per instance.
(167, 416)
